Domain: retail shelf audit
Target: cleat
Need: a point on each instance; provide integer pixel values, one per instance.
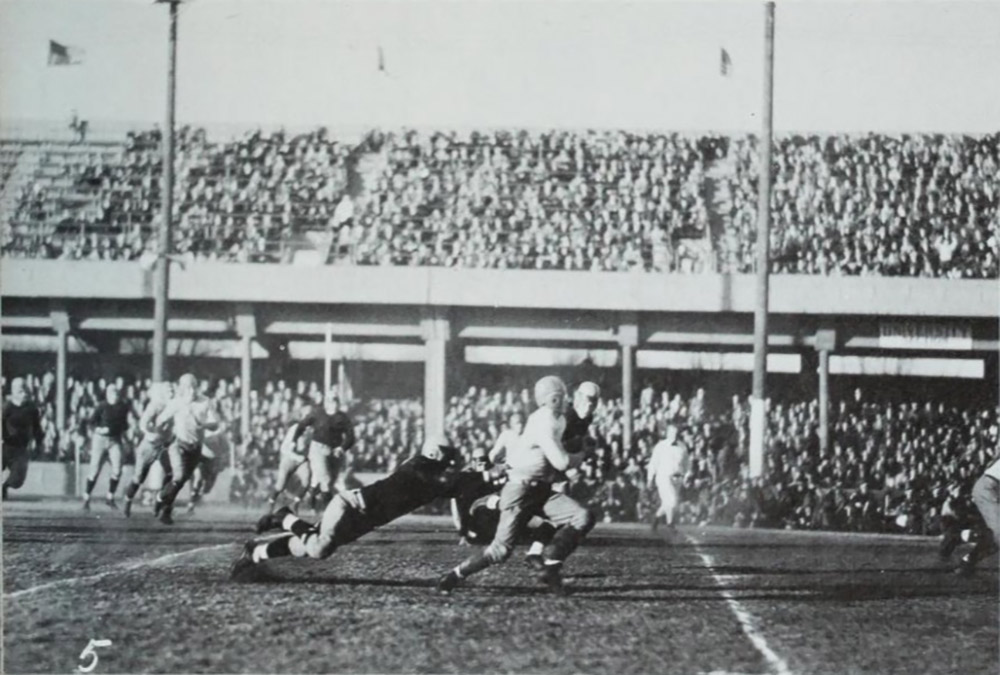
(272, 521)
(949, 542)
(190, 507)
(86, 504)
(110, 502)
(127, 508)
(165, 517)
(966, 567)
(157, 507)
(446, 583)
(551, 576)
(243, 566)
(534, 561)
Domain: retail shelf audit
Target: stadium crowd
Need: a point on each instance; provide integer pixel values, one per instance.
(890, 465)
(876, 204)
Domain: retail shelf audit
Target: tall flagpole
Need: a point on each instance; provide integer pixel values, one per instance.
(162, 277)
(757, 412)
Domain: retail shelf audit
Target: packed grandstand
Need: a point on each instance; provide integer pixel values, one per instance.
(916, 205)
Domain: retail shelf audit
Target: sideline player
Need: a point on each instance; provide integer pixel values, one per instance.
(351, 514)
(293, 459)
(192, 415)
(668, 464)
(986, 497)
(154, 440)
(333, 435)
(535, 463)
(21, 425)
(110, 422)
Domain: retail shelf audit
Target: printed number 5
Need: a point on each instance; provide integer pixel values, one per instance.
(90, 651)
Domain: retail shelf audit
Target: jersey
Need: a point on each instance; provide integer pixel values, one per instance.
(667, 461)
(111, 416)
(470, 487)
(333, 431)
(577, 430)
(527, 458)
(147, 423)
(416, 482)
(505, 441)
(21, 424)
(190, 419)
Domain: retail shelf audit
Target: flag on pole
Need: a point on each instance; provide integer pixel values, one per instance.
(725, 63)
(64, 55)
(381, 60)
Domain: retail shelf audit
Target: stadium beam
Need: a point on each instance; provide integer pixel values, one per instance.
(757, 412)
(162, 276)
(436, 329)
(628, 340)
(826, 340)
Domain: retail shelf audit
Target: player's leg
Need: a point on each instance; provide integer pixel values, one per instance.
(286, 467)
(572, 521)
(320, 467)
(540, 532)
(183, 460)
(145, 455)
(518, 502)
(98, 452)
(115, 461)
(17, 469)
(986, 497)
(668, 499)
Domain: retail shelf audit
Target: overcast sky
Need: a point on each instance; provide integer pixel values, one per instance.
(922, 66)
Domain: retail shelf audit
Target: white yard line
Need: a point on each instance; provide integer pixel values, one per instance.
(117, 569)
(747, 622)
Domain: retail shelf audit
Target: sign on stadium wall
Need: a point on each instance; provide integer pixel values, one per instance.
(900, 334)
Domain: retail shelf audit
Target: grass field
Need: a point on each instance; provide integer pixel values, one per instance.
(715, 600)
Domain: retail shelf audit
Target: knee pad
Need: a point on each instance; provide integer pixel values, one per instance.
(497, 553)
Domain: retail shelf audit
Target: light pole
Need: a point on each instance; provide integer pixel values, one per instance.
(162, 276)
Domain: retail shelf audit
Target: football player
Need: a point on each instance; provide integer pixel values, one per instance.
(668, 464)
(536, 462)
(333, 435)
(432, 474)
(986, 497)
(22, 425)
(154, 440)
(294, 460)
(110, 422)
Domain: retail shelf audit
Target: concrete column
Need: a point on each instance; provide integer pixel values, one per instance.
(60, 323)
(628, 340)
(436, 331)
(826, 340)
(246, 328)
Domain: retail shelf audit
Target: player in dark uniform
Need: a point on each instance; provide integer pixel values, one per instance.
(333, 435)
(109, 422)
(579, 417)
(418, 481)
(21, 426)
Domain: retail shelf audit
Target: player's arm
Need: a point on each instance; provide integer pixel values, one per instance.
(166, 415)
(499, 451)
(305, 423)
(554, 452)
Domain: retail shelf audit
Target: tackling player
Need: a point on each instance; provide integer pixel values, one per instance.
(351, 514)
(333, 435)
(668, 464)
(535, 462)
(21, 426)
(191, 415)
(154, 440)
(206, 470)
(110, 421)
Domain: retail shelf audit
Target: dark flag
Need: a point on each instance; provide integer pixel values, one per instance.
(64, 55)
(725, 63)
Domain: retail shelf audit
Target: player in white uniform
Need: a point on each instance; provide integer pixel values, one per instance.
(986, 497)
(668, 464)
(506, 440)
(536, 461)
(154, 440)
(191, 415)
(293, 459)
